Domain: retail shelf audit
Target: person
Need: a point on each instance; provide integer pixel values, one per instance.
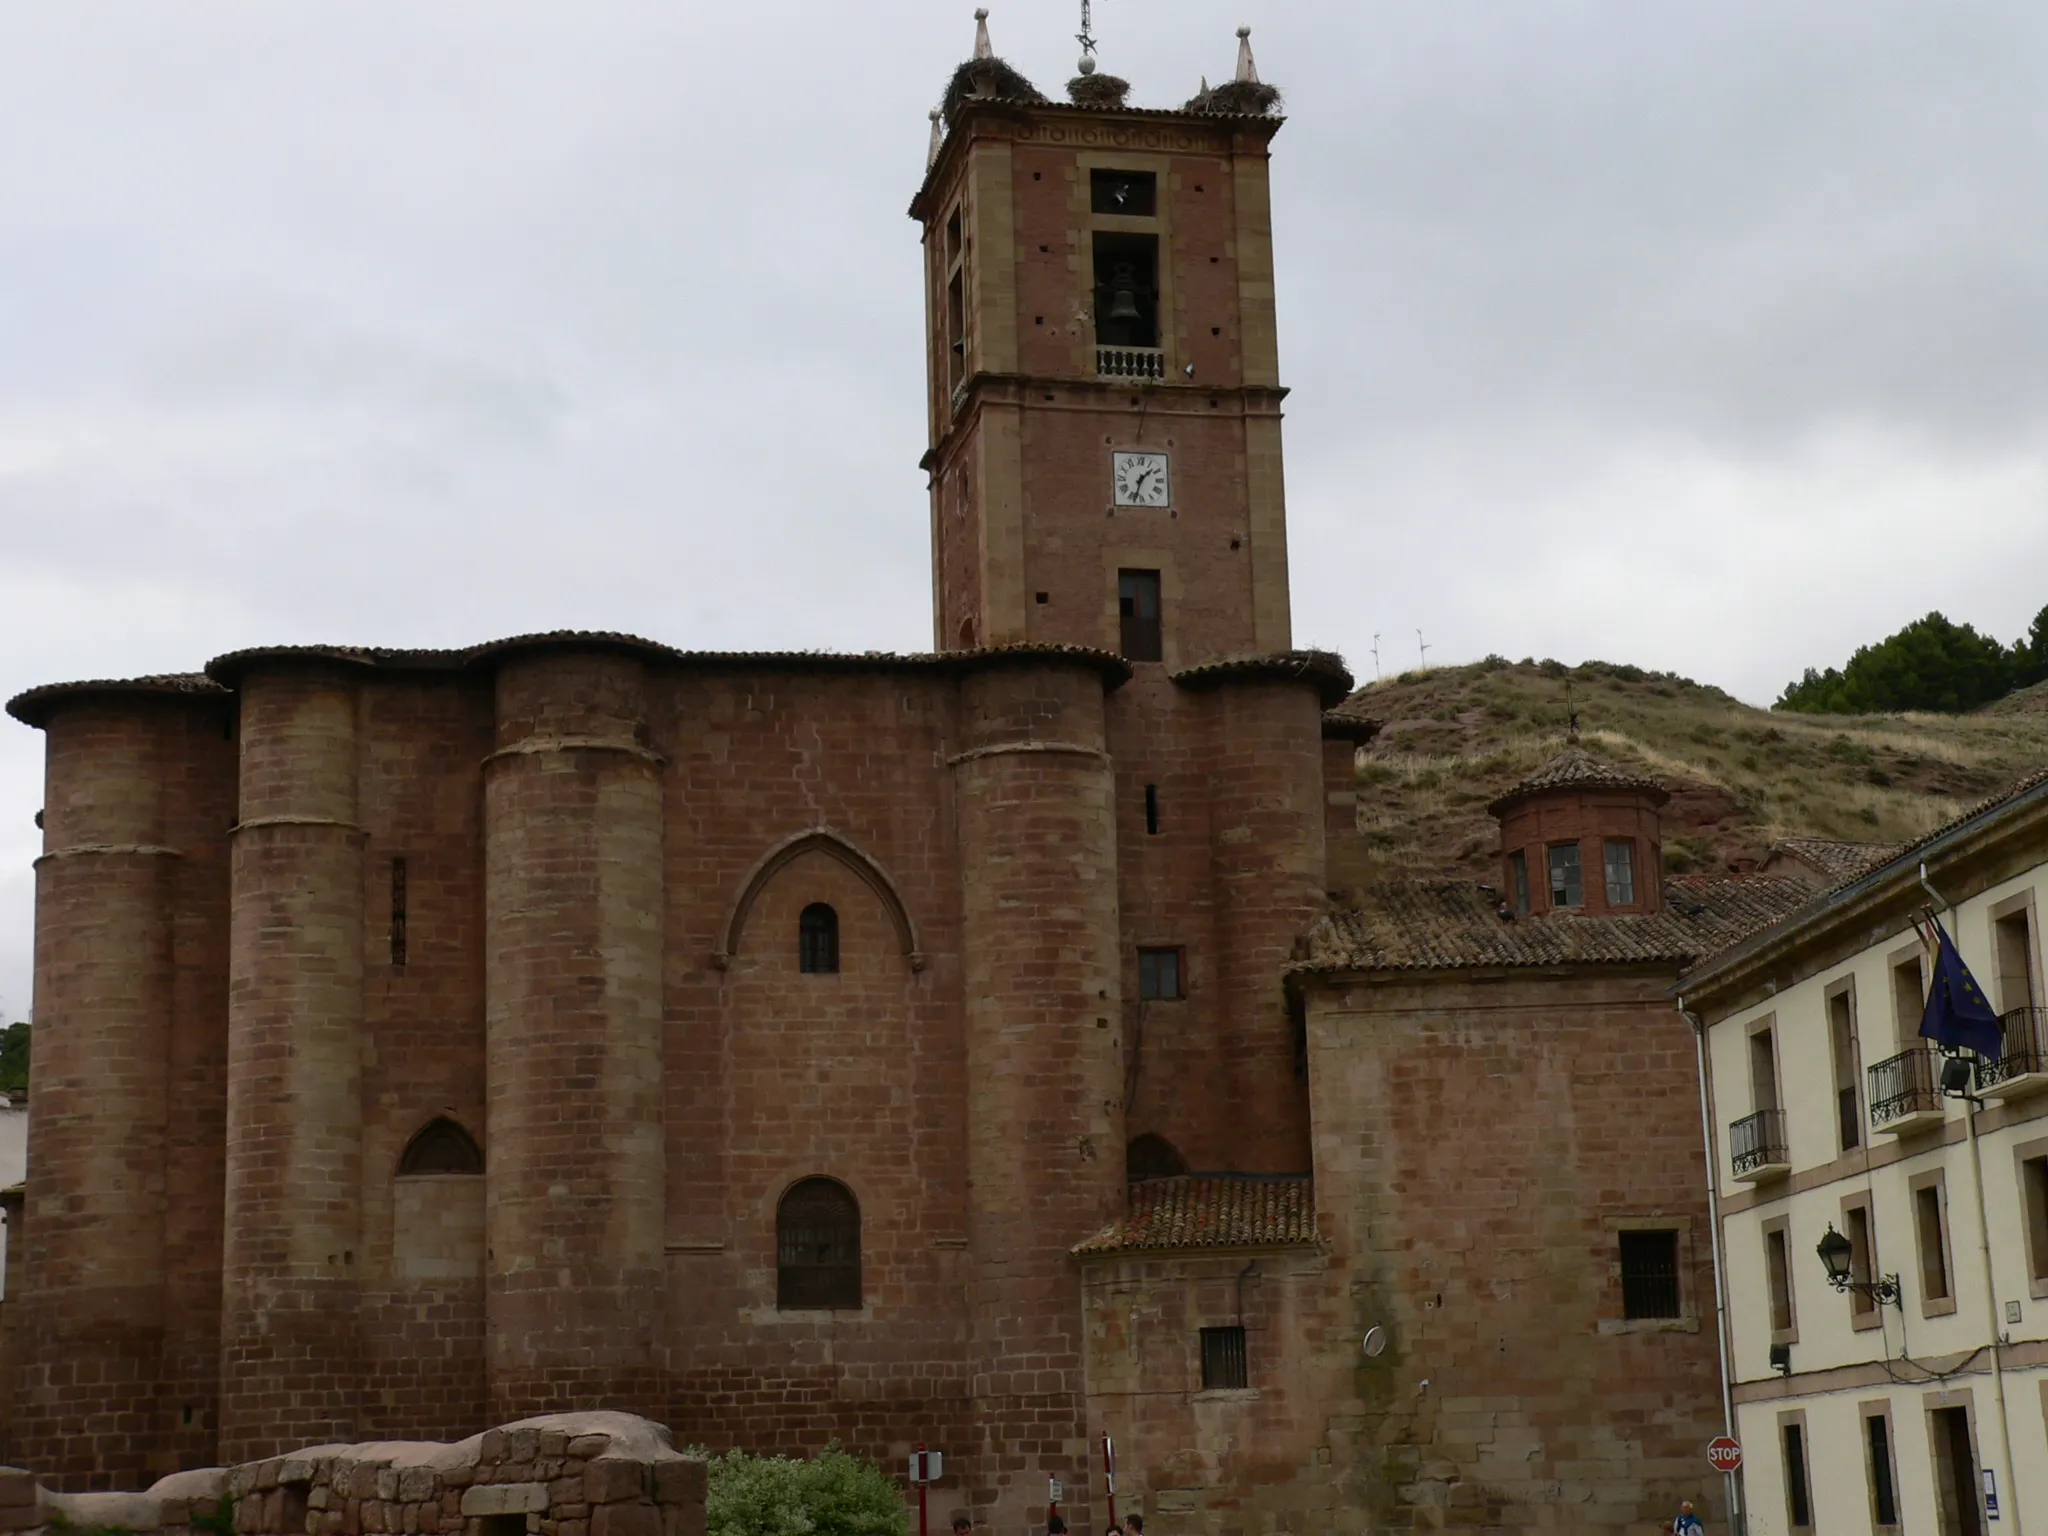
(1054, 1525)
(1687, 1523)
(962, 1526)
(1136, 1525)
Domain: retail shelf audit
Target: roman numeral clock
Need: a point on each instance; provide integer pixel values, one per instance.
(1140, 479)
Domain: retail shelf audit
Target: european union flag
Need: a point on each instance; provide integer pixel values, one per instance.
(1958, 1013)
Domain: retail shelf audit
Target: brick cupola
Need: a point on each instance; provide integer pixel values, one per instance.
(1582, 835)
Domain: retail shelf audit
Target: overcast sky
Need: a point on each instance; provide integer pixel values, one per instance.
(1710, 335)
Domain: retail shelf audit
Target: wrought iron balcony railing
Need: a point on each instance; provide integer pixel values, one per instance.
(1130, 362)
(2022, 1064)
(1756, 1145)
(1905, 1090)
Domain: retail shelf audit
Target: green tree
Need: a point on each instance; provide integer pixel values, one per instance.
(1931, 664)
(831, 1494)
(14, 1058)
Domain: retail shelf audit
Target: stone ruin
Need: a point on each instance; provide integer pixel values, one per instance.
(562, 1474)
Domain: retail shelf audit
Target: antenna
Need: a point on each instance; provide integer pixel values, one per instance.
(1086, 38)
(1423, 645)
(1375, 655)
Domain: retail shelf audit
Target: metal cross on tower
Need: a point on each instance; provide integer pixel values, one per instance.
(1086, 38)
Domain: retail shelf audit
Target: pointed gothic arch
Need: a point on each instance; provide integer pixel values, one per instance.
(441, 1145)
(830, 843)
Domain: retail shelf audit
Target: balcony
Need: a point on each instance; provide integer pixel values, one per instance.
(1130, 362)
(2022, 1065)
(1905, 1092)
(1756, 1144)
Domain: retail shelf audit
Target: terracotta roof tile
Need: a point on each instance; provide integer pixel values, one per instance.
(1211, 1210)
(1835, 859)
(1576, 768)
(1324, 669)
(33, 706)
(1428, 925)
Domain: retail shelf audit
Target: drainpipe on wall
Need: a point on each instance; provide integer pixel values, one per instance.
(1984, 1257)
(1736, 1523)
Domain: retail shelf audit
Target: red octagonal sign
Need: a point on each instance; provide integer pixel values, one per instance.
(1724, 1454)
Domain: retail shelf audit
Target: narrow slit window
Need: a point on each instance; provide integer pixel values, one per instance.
(1778, 1280)
(1137, 601)
(1649, 1274)
(817, 938)
(1909, 999)
(1621, 872)
(1567, 882)
(817, 1245)
(1857, 1220)
(1798, 1491)
(1223, 1360)
(1930, 1229)
(1159, 975)
(2015, 943)
(2034, 1192)
(1884, 1492)
(398, 914)
(1152, 810)
(1842, 1042)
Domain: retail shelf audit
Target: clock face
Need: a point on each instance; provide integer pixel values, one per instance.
(1140, 479)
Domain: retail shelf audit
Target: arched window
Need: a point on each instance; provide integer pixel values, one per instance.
(1152, 1157)
(817, 1246)
(442, 1146)
(817, 939)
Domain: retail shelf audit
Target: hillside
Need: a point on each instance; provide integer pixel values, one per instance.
(1453, 738)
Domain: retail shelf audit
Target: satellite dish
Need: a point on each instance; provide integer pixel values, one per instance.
(1375, 1342)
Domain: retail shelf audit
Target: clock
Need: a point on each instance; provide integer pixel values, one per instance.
(1140, 479)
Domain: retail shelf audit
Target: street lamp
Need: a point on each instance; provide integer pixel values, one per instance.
(1839, 1255)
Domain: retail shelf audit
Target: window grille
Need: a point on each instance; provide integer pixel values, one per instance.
(817, 1244)
(1649, 1274)
(1223, 1362)
(817, 939)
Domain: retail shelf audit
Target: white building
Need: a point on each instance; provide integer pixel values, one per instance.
(1857, 1411)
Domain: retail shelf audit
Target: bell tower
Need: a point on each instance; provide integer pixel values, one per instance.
(1104, 372)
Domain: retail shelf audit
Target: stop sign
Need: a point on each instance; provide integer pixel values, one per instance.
(1723, 1454)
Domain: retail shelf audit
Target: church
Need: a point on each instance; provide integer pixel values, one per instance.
(963, 1048)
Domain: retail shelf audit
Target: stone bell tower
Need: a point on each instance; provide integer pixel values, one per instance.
(1104, 372)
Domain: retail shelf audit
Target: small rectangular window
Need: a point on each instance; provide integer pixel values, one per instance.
(1152, 810)
(1798, 1491)
(2015, 943)
(398, 915)
(1223, 1362)
(1857, 1219)
(1778, 1280)
(1649, 1274)
(1518, 875)
(1842, 1044)
(1567, 887)
(1134, 193)
(2034, 1196)
(1621, 872)
(1137, 603)
(1909, 999)
(1159, 974)
(1929, 1229)
(1884, 1493)
(1763, 1071)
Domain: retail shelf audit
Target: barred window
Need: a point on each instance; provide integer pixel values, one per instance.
(1649, 1274)
(817, 1243)
(817, 939)
(1223, 1362)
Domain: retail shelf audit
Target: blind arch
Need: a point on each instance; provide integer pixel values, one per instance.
(441, 1146)
(817, 1246)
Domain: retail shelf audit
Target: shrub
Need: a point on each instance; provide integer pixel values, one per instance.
(833, 1493)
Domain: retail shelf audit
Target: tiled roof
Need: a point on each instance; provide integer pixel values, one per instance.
(1211, 1210)
(1325, 669)
(1835, 859)
(1576, 768)
(32, 707)
(1431, 925)
(2013, 791)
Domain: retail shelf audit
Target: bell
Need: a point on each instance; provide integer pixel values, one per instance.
(1123, 298)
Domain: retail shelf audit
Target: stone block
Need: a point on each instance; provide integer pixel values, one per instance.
(505, 1499)
(625, 1520)
(679, 1482)
(610, 1478)
(587, 1446)
(553, 1442)
(417, 1484)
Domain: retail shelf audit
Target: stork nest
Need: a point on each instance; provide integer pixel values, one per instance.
(1097, 90)
(1236, 98)
(986, 80)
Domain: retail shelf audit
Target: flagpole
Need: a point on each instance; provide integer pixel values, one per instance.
(1984, 1259)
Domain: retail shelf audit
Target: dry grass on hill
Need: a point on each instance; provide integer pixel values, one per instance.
(1456, 737)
